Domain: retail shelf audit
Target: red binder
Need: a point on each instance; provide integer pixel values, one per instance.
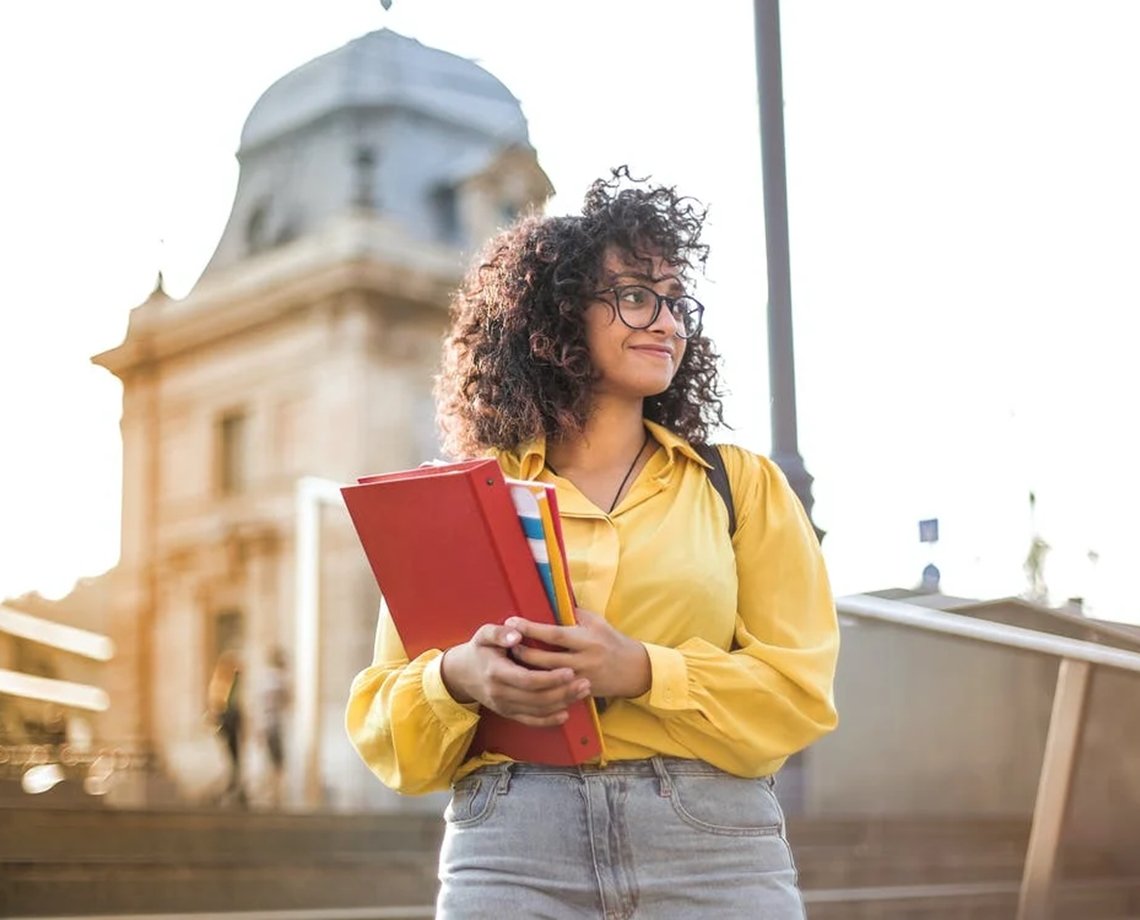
(449, 554)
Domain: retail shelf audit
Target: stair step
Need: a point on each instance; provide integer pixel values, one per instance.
(58, 861)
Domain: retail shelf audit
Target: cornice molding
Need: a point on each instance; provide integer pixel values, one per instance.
(358, 252)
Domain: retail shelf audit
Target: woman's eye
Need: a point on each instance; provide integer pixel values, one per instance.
(634, 296)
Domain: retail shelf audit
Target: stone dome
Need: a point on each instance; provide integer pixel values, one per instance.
(383, 126)
(385, 69)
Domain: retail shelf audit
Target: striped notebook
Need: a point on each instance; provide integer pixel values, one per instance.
(530, 515)
(537, 507)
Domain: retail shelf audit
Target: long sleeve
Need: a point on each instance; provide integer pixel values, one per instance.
(401, 719)
(747, 709)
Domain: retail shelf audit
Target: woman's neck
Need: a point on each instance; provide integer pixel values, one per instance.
(612, 435)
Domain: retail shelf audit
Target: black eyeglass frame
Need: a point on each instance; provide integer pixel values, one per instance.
(660, 298)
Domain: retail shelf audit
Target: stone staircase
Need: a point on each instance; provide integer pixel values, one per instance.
(56, 862)
(939, 869)
(68, 861)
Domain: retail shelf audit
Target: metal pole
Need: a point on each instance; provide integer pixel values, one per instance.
(781, 358)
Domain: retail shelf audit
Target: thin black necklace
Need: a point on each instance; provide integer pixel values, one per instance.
(624, 478)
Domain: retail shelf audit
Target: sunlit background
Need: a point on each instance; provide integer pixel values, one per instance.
(963, 204)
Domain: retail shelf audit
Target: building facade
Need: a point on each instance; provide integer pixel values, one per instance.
(307, 348)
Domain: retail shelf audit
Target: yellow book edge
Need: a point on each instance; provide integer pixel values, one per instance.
(565, 611)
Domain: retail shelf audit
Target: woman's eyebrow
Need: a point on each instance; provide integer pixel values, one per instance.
(642, 278)
(615, 277)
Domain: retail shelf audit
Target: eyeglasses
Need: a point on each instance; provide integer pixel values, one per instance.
(638, 307)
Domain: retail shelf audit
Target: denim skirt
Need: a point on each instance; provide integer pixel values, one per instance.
(657, 839)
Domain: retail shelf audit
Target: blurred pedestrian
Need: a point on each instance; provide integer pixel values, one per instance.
(223, 701)
(274, 701)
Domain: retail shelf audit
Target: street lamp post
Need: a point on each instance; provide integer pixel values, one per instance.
(781, 356)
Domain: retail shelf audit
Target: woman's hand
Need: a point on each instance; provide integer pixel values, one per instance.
(613, 663)
(481, 671)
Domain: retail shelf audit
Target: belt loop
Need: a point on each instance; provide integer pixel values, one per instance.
(664, 783)
(504, 782)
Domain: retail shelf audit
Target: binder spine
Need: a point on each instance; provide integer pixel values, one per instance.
(510, 546)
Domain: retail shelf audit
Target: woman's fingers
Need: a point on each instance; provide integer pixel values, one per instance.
(532, 695)
(494, 636)
(541, 658)
(530, 680)
(540, 702)
(568, 637)
(515, 691)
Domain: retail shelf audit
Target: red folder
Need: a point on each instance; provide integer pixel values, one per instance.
(449, 554)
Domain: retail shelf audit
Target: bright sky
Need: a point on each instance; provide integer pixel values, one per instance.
(964, 205)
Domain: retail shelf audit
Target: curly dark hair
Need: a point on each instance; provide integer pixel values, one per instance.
(515, 361)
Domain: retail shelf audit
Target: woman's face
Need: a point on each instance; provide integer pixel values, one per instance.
(634, 363)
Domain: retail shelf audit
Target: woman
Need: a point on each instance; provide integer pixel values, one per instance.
(575, 357)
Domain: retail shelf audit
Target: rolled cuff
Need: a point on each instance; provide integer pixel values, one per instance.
(669, 687)
(455, 715)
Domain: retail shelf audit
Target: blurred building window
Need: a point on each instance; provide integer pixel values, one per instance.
(364, 166)
(257, 229)
(227, 633)
(286, 233)
(508, 213)
(233, 453)
(446, 206)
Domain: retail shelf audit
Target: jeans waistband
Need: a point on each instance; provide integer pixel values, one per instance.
(651, 766)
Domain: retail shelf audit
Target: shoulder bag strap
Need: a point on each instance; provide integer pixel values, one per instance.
(718, 476)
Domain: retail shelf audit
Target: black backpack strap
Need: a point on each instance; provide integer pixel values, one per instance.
(718, 476)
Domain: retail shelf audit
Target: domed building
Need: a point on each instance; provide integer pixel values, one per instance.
(306, 349)
(431, 142)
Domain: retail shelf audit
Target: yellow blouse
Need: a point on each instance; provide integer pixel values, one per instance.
(742, 645)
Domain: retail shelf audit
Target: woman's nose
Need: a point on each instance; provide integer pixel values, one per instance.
(665, 322)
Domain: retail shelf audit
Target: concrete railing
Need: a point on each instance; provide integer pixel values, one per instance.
(1077, 659)
(39, 763)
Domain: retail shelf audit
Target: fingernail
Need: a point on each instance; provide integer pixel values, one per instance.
(513, 636)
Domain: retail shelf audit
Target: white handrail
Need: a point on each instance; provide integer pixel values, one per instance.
(49, 690)
(1062, 743)
(57, 635)
(967, 627)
